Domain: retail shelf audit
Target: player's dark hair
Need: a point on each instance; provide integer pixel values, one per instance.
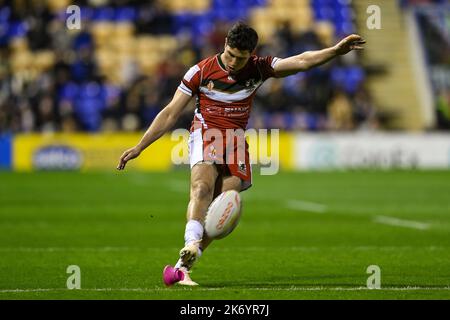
(242, 37)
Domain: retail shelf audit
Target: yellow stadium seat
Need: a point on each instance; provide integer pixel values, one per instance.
(148, 61)
(44, 59)
(288, 4)
(302, 21)
(325, 31)
(146, 43)
(124, 29)
(105, 59)
(126, 45)
(167, 43)
(18, 45)
(58, 5)
(21, 61)
(186, 5)
(102, 32)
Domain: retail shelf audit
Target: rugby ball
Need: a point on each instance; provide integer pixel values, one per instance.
(223, 215)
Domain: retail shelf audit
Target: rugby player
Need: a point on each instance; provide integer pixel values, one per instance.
(224, 86)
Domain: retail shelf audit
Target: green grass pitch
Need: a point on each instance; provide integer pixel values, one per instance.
(301, 236)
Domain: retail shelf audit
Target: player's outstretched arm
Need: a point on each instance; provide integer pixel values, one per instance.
(310, 59)
(163, 122)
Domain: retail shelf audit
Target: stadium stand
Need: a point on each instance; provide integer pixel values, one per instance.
(432, 21)
(120, 69)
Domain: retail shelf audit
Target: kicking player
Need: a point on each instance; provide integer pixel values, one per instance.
(224, 86)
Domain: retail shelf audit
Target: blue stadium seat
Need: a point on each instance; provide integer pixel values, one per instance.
(219, 3)
(5, 14)
(80, 71)
(232, 14)
(183, 21)
(111, 91)
(349, 78)
(4, 39)
(220, 10)
(17, 30)
(203, 25)
(345, 14)
(68, 92)
(243, 4)
(86, 13)
(83, 39)
(291, 84)
(344, 28)
(312, 121)
(103, 14)
(125, 14)
(324, 13)
(259, 3)
(89, 105)
(223, 4)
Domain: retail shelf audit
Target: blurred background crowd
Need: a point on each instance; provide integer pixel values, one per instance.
(125, 62)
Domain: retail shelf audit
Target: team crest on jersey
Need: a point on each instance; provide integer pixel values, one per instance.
(213, 152)
(210, 85)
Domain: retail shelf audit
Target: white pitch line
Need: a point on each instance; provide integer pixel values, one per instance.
(408, 288)
(64, 249)
(306, 206)
(402, 223)
(232, 249)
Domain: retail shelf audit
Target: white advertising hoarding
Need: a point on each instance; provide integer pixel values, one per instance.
(371, 150)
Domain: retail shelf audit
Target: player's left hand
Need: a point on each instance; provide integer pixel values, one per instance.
(349, 43)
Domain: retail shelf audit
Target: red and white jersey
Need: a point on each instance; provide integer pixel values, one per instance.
(224, 101)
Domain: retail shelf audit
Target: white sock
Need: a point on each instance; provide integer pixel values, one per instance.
(193, 231)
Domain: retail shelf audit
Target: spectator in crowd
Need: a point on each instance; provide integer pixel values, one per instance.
(73, 94)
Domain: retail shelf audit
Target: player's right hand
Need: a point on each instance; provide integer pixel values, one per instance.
(128, 155)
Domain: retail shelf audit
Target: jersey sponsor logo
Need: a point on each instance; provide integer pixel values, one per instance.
(210, 85)
(242, 167)
(236, 109)
(228, 112)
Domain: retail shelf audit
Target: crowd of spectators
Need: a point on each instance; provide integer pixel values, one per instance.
(72, 95)
(435, 36)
